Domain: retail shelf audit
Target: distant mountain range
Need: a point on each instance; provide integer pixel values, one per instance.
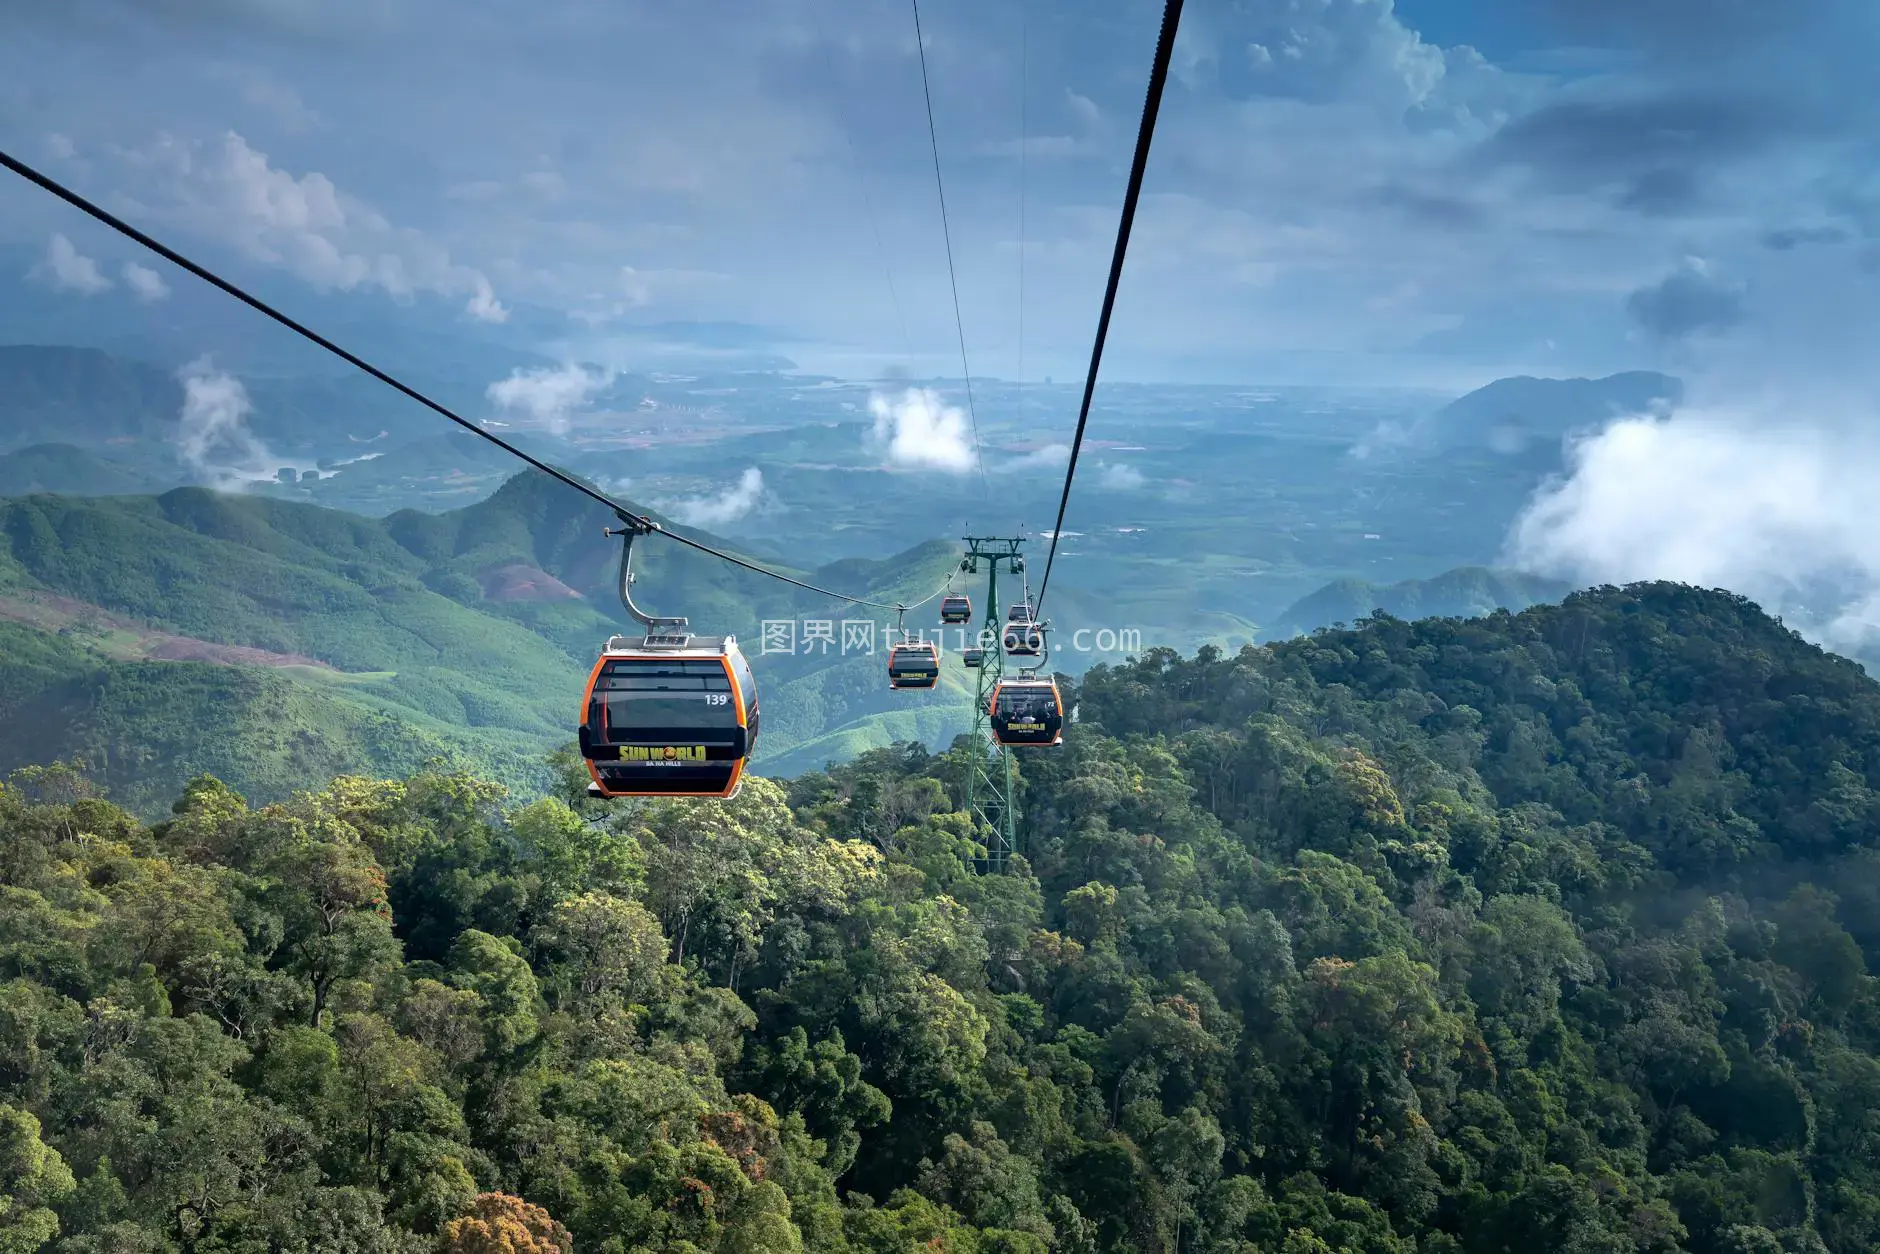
(128, 410)
(1467, 592)
(57, 393)
(1524, 416)
(86, 396)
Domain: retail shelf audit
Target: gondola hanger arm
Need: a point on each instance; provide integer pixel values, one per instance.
(636, 527)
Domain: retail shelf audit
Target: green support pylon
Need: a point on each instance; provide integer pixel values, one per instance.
(991, 778)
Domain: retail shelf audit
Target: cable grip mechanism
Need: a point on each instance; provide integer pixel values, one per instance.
(634, 528)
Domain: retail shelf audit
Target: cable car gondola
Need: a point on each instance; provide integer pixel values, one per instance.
(1023, 637)
(1027, 712)
(956, 608)
(667, 714)
(973, 658)
(913, 664)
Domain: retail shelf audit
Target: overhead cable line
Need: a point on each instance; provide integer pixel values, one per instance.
(1158, 78)
(1024, 146)
(638, 522)
(946, 233)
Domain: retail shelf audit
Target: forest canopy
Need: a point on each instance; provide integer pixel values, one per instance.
(1534, 932)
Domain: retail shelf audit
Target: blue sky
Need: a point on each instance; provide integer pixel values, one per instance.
(1342, 190)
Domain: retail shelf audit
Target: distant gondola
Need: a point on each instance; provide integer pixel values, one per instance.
(1023, 637)
(913, 664)
(1027, 712)
(956, 608)
(669, 716)
(974, 658)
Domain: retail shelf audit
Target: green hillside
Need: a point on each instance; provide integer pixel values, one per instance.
(294, 580)
(432, 615)
(144, 729)
(1525, 933)
(67, 469)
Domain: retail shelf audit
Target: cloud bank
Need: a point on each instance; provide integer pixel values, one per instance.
(1772, 509)
(549, 395)
(726, 507)
(303, 224)
(1346, 189)
(920, 430)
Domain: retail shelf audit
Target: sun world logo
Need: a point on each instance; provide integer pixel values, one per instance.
(662, 753)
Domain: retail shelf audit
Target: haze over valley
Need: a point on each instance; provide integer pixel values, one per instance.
(1220, 514)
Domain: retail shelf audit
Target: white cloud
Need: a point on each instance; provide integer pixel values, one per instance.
(144, 281)
(212, 432)
(716, 511)
(303, 224)
(1050, 457)
(549, 395)
(1355, 52)
(1388, 434)
(920, 429)
(70, 270)
(1120, 477)
(484, 306)
(61, 146)
(1083, 108)
(1758, 503)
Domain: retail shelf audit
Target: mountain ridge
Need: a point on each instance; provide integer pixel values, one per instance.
(1511, 416)
(1464, 592)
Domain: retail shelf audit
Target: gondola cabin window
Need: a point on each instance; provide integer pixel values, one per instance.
(662, 693)
(666, 724)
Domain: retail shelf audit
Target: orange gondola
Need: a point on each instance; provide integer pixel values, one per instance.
(666, 714)
(669, 716)
(1027, 712)
(956, 608)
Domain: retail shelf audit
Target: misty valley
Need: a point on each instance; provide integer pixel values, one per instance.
(1213, 516)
